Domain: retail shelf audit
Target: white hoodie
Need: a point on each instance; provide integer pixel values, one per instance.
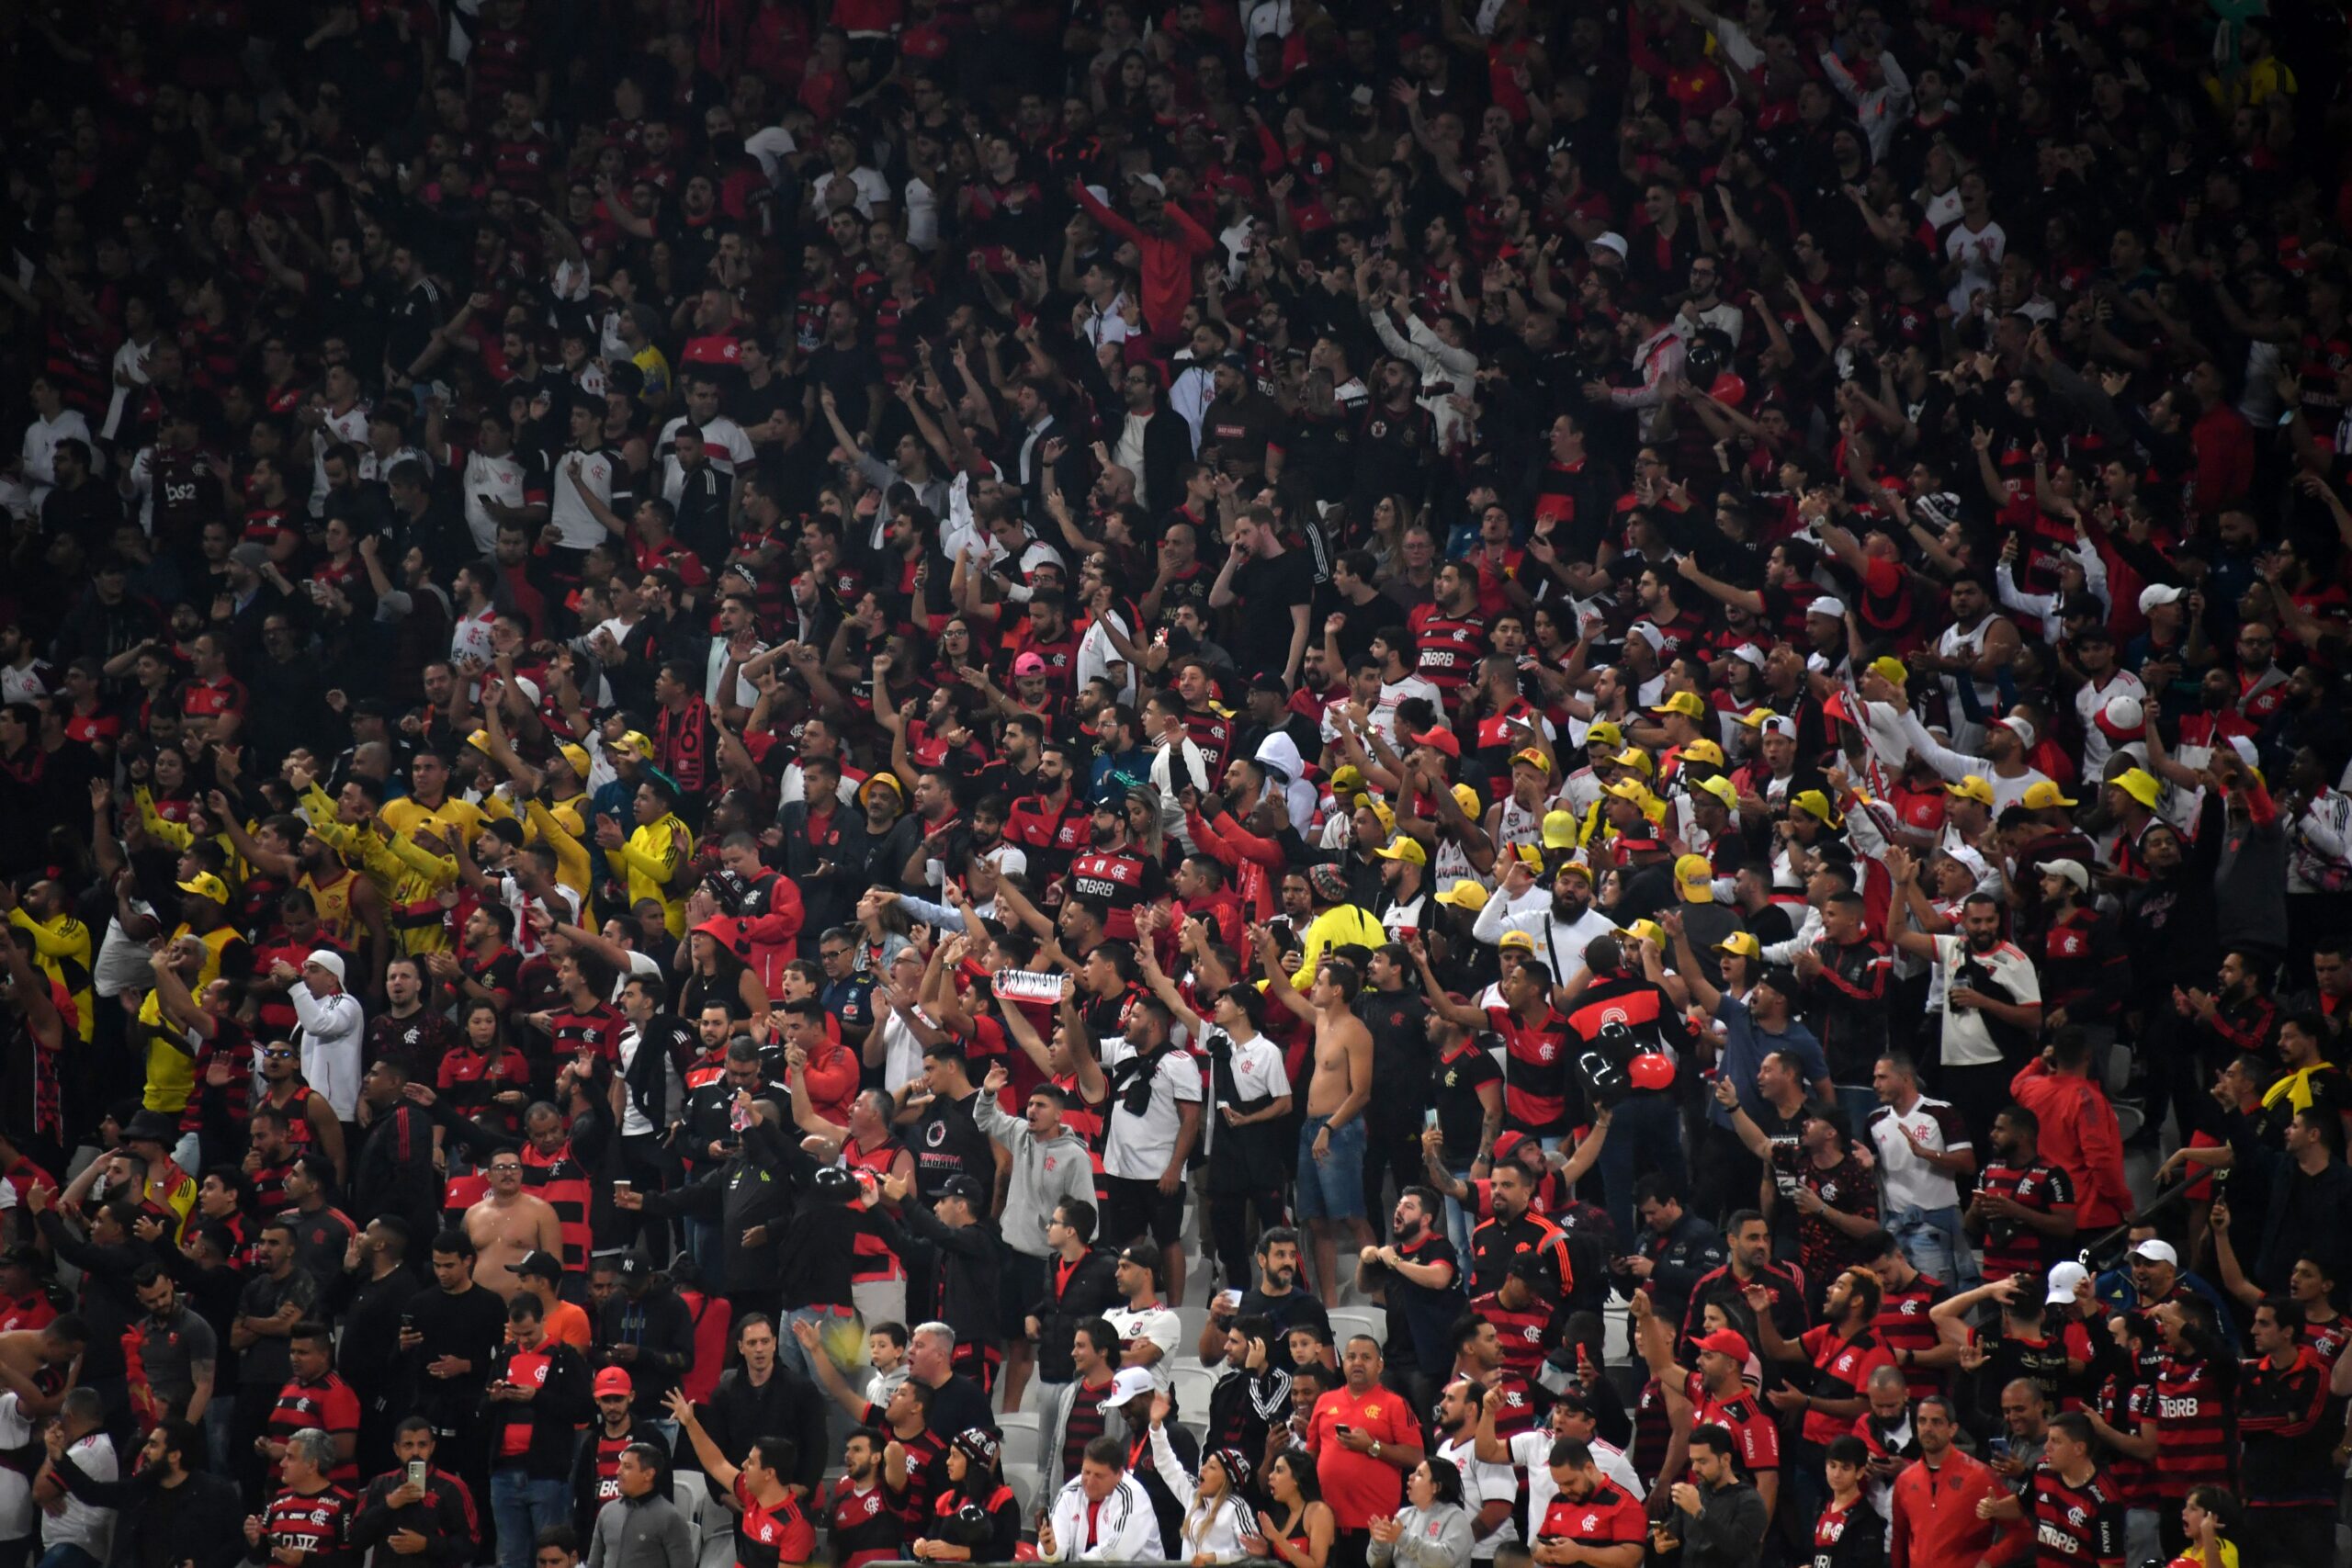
(1124, 1527)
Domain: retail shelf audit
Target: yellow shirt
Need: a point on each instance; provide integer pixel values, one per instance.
(61, 948)
(1339, 926)
(651, 857)
(453, 818)
(560, 827)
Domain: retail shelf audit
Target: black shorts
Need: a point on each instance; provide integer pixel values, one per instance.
(1136, 1207)
(1020, 1284)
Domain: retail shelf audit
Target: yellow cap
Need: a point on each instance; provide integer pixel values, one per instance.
(1628, 789)
(2042, 794)
(1515, 939)
(1573, 868)
(1687, 703)
(1813, 802)
(1604, 733)
(1972, 787)
(1559, 829)
(1742, 942)
(1646, 931)
(1892, 667)
(1704, 751)
(479, 741)
(1379, 809)
(1406, 848)
(2140, 784)
(1696, 877)
(1468, 799)
(1641, 762)
(1533, 759)
(1721, 788)
(636, 741)
(577, 755)
(1464, 895)
(1347, 780)
(204, 884)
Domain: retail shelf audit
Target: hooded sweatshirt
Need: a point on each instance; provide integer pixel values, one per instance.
(1045, 1173)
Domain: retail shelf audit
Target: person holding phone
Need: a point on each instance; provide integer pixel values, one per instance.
(416, 1509)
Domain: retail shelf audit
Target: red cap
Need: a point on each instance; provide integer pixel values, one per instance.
(1507, 1143)
(614, 1379)
(1726, 1342)
(1444, 740)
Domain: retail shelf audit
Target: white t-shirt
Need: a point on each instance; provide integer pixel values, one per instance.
(1910, 1181)
(1257, 1074)
(1482, 1484)
(1966, 1042)
(80, 1524)
(501, 478)
(869, 184)
(1156, 1324)
(1136, 1148)
(352, 427)
(41, 437)
(16, 1488)
(1532, 1452)
(576, 528)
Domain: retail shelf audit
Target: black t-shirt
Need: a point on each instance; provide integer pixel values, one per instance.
(947, 1142)
(1400, 1051)
(1455, 1080)
(1268, 589)
(957, 1406)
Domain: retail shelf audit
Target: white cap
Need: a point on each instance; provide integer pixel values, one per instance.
(1130, 1384)
(1649, 634)
(2160, 593)
(2247, 753)
(2072, 870)
(1828, 604)
(2157, 1252)
(2123, 715)
(1614, 241)
(1780, 725)
(326, 959)
(1750, 654)
(2020, 728)
(530, 688)
(2062, 1281)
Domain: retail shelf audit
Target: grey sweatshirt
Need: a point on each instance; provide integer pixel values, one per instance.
(641, 1532)
(1044, 1174)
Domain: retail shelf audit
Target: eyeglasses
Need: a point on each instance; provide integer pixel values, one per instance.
(280, 1056)
(506, 1171)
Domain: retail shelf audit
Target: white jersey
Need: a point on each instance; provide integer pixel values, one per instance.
(2089, 701)
(1532, 1452)
(350, 425)
(1967, 734)
(1519, 825)
(1482, 1484)
(576, 528)
(501, 479)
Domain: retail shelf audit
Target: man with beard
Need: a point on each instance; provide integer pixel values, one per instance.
(1111, 879)
(1488, 1491)
(1562, 926)
(1992, 998)
(407, 1027)
(1277, 1297)
(1396, 1014)
(1399, 438)
(2023, 1211)
(1844, 1351)
(1596, 1515)
(1935, 1498)
(865, 1525)
(1714, 1394)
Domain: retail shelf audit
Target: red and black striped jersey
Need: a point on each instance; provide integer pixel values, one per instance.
(1753, 1430)
(2010, 1247)
(565, 1184)
(1903, 1323)
(865, 1525)
(318, 1525)
(2197, 1436)
(1608, 1518)
(2075, 1526)
(598, 1029)
(771, 1535)
(1213, 733)
(328, 1405)
(1829, 1529)
(1447, 648)
(1525, 1334)
(2126, 1406)
(2328, 1339)
(1087, 1421)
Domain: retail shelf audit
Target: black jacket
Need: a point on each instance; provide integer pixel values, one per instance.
(562, 1403)
(829, 899)
(662, 1329)
(445, 1517)
(394, 1174)
(740, 1413)
(1093, 1287)
(737, 1195)
(202, 1520)
(969, 1259)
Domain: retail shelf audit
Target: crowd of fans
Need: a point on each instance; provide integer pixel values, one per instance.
(1426, 782)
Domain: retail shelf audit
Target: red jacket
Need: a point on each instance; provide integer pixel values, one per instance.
(2079, 1134)
(1935, 1517)
(1166, 261)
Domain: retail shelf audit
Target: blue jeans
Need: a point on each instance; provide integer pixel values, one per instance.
(1459, 1221)
(67, 1556)
(1332, 1188)
(702, 1246)
(522, 1508)
(1646, 1130)
(1932, 1243)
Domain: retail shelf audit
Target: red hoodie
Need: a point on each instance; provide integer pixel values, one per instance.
(1166, 261)
(1935, 1517)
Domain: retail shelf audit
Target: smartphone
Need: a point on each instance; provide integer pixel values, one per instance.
(1428, 1120)
(1341, 1427)
(1232, 1300)
(1998, 1448)
(416, 1473)
(408, 1323)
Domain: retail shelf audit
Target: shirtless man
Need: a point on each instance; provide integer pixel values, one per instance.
(508, 1226)
(1331, 1177)
(35, 1363)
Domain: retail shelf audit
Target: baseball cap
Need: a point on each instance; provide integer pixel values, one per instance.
(1516, 939)
(326, 959)
(1814, 803)
(1742, 942)
(614, 1379)
(2042, 794)
(2124, 717)
(204, 884)
(1347, 780)
(1696, 878)
(2157, 593)
(1704, 751)
(1406, 848)
(2072, 870)
(1604, 733)
(1749, 653)
(538, 1265)
(1722, 790)
(1890, 668)
(1611, 242)
(1687, 703)
(1641, 762)
(2062, 1281)
(1778, 723)
(1131, 1383)
(963, 1187)
(2157, 1252)
(1974, 787)
(2140, 784)
(1441, 739)
(1467, 799)
(1828, 604)
(1464, 895)
(1029, 665)
(1559, 829)
(1533, 759)
(1724, 1342)
(1572, 868)
(2020, 728)
(576, 755)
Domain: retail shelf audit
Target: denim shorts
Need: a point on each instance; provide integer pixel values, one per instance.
(1331, 1189)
